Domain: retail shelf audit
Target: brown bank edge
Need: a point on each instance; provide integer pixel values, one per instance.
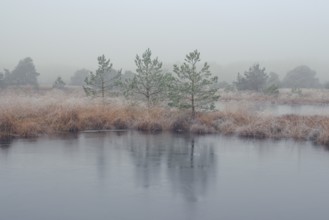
(27, 122)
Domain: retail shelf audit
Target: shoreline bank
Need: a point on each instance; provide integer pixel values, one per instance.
(22, 121)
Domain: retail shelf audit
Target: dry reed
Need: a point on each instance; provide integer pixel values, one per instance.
(27, 116)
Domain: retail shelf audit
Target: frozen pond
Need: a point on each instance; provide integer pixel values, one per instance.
(129, 175)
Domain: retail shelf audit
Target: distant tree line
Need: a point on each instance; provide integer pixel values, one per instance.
(256, 79)
(301, 77)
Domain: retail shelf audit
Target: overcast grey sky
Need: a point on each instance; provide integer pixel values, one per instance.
(69, 34)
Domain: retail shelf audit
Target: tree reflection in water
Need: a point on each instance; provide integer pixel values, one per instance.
(5, 147)
(188, 164)
(191, 168)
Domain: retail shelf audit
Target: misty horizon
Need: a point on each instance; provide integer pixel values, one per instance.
(64, 36)
(227, 72)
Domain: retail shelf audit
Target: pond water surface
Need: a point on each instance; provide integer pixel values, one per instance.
(129, 175)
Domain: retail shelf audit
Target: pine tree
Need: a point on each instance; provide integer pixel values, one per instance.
(104, 80)
(193, 88)
(24, 74)
(59, 83)
(150, 82)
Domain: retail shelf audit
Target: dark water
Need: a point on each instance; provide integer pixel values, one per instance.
(129, 175)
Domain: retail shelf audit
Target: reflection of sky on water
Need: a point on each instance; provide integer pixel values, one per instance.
(129, 175)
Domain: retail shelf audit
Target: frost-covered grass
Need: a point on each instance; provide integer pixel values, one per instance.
(23, 114)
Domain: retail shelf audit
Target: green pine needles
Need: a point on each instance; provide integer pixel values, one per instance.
(150, 83)
(193, 88)
(103, 81)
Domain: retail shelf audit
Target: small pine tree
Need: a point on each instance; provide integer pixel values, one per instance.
(59, 83)
(150, 82)
(192, 88)
(104, 80)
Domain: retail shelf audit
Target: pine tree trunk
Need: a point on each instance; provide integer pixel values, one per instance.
(103, 90)
(193, 107)
(148, 98)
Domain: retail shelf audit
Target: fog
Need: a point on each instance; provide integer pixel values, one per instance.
(63, 36)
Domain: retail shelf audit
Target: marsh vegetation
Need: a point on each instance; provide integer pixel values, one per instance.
(57, 111)
(155, 100)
